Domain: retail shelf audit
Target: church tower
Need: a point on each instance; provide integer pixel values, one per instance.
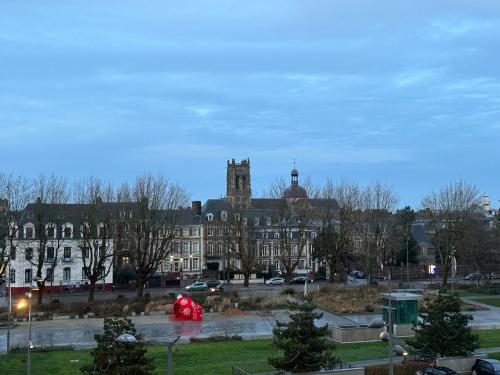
(238, 191)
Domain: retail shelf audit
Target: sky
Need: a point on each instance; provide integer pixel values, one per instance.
(403, 92)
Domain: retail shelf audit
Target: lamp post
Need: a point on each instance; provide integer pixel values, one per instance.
(22, 305)
(306, 281)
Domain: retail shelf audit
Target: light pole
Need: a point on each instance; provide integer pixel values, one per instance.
(306, 281)
(22, 305)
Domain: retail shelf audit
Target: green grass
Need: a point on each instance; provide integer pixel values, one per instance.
(494, 355)
(208, 358)
(213, 358)
(489, 338)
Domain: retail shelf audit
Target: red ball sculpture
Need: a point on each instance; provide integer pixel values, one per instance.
(186, 309)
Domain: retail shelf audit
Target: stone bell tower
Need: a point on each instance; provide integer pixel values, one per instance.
(238, 191)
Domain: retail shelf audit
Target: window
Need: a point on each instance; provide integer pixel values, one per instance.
(219, 248)
(50, 254)
(85, 252)
(289, 234)
(28, 253)
(67, 274)
(263, 251)
(67, 253)
(313, 234)
(268, 221)
(277, 265)
(48, 274)
(102, 252)
(256, 221)
(12, 276)
(210, 217)
(276, 235)
(185, 264)
(185, 248)
(276, 250)
(196, 265)
(210, 231)
(28, 232)
(27, 275)
(177, 247)
(245, 221)
(223, 215)
(294, 249)
(13, 253)
(51, 232)
(196, 248)
(211, 249)
(176, 266)
(84, 274)
(67, 232)
(196, 232)
(219, 231)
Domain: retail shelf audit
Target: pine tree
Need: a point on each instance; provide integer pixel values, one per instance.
(305, 346)
(118, 358)
(441, 329)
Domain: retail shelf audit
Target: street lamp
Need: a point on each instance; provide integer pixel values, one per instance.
(21, 306)
(306, 281)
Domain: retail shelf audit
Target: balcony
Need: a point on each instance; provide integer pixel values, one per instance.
(67, 260)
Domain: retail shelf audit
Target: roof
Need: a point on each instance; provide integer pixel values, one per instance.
(295, 191)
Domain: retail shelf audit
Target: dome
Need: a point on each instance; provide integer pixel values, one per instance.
(295, 191)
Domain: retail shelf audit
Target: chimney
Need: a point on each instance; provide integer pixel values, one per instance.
(196, 207)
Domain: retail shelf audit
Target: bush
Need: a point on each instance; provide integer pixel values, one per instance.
(288, 290)
(120, 298)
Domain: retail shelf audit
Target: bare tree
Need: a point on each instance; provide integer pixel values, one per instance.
(153, 223)
(292, 219)
(276, 189)
(240, 236)
(99, 212)
(14, 197)
(47, 217)
(450, 208)
(378, 202)
(340, 205)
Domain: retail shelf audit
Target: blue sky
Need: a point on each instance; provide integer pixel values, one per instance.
(406, 92)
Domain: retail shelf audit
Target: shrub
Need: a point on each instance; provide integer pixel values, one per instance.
(408, 368)
(288, 290)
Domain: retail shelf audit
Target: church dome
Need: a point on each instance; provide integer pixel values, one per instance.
(295, 191)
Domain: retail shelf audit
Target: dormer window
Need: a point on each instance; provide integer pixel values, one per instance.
(29, 231)
(268, 221)
(51, 231)
(256, 221)
(244, 221)
(210, 217)
(223, 215)
(68, 231)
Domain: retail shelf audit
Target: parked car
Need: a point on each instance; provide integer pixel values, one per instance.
(357, 274)
(300, 280)
(275, 281)
(492, 275)
(486, 367)
(473, 276)
(438, 370)
(218, 288)
(212, 283)
(197, 286)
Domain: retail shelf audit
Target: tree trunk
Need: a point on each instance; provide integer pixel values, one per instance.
(140, 285)
(246, 281)
(91, 291)
(39, 300)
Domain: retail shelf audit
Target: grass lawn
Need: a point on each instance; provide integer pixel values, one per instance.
(213, 358)
(489, 338)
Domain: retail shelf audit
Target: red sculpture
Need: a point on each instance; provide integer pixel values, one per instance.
(186, 309)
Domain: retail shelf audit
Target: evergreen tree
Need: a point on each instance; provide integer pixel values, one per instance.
(305, 346)
(442, 329)
(118, 358)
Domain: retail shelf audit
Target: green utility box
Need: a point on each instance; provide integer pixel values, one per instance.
(404, 311)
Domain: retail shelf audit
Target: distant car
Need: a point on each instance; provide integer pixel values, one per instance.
(357, 274)
(492, 275)
(212, 283)
(197, 286)
(438, 370)
(275, 281)
(218, 288)
(474, 276)
(486, 367)
(300, 280)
